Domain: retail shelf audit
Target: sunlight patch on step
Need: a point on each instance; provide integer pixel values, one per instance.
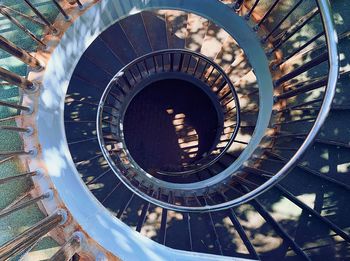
(236, 239)
(308, 199)
(286, 210)
(324, 169)
(343, 168)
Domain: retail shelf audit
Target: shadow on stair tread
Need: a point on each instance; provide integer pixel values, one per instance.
(115, 38)
(135, 31)
(176, 22)
(156, 30)
(100, 54)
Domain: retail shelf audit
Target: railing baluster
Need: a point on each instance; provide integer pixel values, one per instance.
(189, 63)
(303, 68)
(111, 192)
(98, 177)
(303, 206)
(294, 29)
(13, 20)
(154, 63)
(142, 216)
(252, 9)
(29, 237)
(30, 18)
(196, 67)
(311, 171)
(208, 77)
(61, 10)
(180, 63)
(19, 53)
(214, 232)
(298, 105)
(71, 247)
(203, 71)
(15, 79)
(237, 225)
(19, 206)
(304, 88)
(266, 14)
(187, 219)
(163, 227)
(17, 153)
(313, 39)
(281, 22)
(278, 228)
(42, 18)
(20, 176)
(295, 121)
(123, 209)
(18, 129)
(6, 159)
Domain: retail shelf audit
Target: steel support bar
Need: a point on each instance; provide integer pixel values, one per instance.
(19, 53)
(61, 10)
(67, 251)
(15, 79)
(267, 13)
(8, 211)
(14, 153)
(252, 9)
(28, 17)
(313, 212)
(14, 128)
(303, 68)
(13, 20)
(40, 15)
(16, 177)
(15, 106)
(30, 237)
(282, 21)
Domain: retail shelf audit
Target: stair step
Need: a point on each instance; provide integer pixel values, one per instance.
(228, 53)
(213, 41)
(92, 73)
(115, 38)
(176, 23)
(155, 25)
(100, 54)
(196, 30)
(135, 31)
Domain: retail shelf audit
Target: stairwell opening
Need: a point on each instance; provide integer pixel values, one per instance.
(170, 124)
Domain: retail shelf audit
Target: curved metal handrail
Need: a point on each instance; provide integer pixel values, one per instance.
(332, 41)
(143, 58)
(331, 37)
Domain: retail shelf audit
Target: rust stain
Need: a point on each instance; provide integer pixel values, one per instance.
(63, 232)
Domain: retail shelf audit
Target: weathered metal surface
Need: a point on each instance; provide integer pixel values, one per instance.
(90, 250)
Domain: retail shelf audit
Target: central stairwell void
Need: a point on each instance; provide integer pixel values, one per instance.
(165, 128)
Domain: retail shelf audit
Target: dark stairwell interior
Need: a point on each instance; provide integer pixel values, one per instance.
(169, 124)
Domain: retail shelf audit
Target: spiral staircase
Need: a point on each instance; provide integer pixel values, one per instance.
(174, 130)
